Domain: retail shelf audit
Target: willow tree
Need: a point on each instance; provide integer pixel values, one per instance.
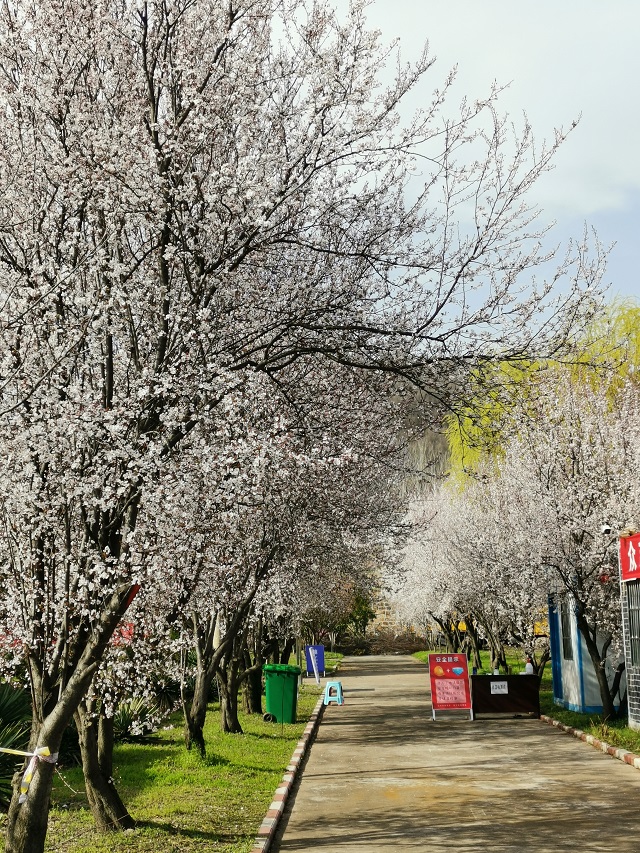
(606, 354)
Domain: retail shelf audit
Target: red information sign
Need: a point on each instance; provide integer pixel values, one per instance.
(449, 675)
(630, 557)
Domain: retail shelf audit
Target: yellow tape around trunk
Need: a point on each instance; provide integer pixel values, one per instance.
(42, 753)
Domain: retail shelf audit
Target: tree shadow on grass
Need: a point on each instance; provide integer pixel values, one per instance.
(199, 834)
(267, 736)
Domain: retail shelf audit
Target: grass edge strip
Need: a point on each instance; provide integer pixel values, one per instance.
(271, 820)
(629, 758)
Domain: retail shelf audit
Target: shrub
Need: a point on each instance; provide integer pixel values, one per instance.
(135, 720)
(15, 724)
(15, 706)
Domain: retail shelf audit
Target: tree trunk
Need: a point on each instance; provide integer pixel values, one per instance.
(108, 810)
(211, 653)
(287, 651)
(26, 826)
(228, 681)
(106, 740)
(473, 642)
(253, 659)
(498, 656)
(540, 663)
(195, 712)
(446, 627)
(615, 687)
(252, 692)
(598, 660)
(27, 822)
(496, 646)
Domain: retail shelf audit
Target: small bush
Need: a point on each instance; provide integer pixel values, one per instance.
(135, 720)
(13, 736)
(167, 696)
(382, 641)
(15, 724)
(15, 705)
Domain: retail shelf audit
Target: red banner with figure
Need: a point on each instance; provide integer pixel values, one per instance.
(449, 675)
(630, 557)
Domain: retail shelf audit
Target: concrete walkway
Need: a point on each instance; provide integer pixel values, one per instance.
(382, 776)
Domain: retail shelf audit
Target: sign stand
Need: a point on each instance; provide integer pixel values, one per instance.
(449, 676)
(314, 656)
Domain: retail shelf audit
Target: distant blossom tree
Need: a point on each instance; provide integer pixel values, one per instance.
(466, 562)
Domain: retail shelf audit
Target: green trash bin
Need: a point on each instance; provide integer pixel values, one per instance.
(281, 683)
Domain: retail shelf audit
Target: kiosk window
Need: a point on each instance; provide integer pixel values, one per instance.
(565, 624)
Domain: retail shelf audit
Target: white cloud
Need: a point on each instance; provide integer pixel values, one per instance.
(561, 59)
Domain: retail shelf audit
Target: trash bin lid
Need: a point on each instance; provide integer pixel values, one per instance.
(281, 667)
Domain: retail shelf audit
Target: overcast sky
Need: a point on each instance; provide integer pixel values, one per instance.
(562, 59)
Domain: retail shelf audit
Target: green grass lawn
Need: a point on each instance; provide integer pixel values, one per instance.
(331, 660)
(182, 803)
(614, 732)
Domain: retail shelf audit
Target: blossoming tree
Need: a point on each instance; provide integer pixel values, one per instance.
(192, 193)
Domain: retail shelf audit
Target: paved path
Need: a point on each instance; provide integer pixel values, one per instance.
(382, 776)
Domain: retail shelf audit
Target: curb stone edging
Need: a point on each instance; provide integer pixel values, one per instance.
(271, 820)
(629, 758)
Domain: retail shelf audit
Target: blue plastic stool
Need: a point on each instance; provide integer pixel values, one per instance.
(333, 693)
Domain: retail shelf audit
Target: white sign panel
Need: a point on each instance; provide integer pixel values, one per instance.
(499, 687)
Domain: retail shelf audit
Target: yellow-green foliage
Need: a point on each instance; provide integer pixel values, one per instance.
(479, 430)
(611, 348)
(609, 352)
